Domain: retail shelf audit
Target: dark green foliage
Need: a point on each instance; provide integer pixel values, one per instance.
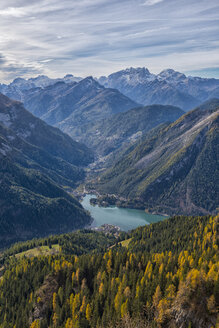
(78, 243)
(174, 234)
(37, 161)
(33, 205)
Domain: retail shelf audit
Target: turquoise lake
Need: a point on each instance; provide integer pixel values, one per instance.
(125, 218)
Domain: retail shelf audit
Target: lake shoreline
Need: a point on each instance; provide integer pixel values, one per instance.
(126, 218)
(107, 200)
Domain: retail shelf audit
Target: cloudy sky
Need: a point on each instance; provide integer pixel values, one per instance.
(98, 37)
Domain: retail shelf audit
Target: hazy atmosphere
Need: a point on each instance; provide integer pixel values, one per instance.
(97, 37)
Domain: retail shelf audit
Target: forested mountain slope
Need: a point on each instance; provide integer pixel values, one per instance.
(36, 161)
(173, 171)
(36, 132)
(167, 276)
(119, 130)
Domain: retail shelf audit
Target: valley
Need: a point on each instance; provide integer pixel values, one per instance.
(91, 225)
(168, 159)
(142, 158)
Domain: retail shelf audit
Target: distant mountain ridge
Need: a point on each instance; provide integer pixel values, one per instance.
(16, 88)
(37, 161)
(72, 105)
(79, 103)
(167, 88)
(174, 169)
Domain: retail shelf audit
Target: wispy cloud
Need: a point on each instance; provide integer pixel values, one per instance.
(100, 36)
(151, 2)
(13, 12)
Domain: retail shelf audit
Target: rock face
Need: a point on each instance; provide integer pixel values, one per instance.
(44, 296)
(36, 161)
(167, 88)
(174, 170)
(188, 308)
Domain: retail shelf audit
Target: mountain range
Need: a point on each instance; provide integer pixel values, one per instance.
(37, 161)
(174, 169)
(16, 88)
(167, 88)
(156, 156)
(72, 105)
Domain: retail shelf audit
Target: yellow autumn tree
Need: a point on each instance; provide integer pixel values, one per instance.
(83, 305)
(137, 291)
(88, 312)
(69, 323)
(124, 308)
(163, 311)
(157, 297)
(54, 300)
(118, 299)
(109, 265)
(35, 324)
(77, 275)
(55, 319)
(75, 307)
(31, 297)
(101, 289)
(73, 277)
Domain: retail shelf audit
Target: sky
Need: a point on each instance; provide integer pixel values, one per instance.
(98, 37)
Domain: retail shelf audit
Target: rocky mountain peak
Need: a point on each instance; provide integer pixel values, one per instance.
(137, 70)
(90, 82)
(18, 80)
(171, 75)
(130, 76)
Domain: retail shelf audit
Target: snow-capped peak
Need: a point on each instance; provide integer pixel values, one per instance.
(170, 75)
(133, 76)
